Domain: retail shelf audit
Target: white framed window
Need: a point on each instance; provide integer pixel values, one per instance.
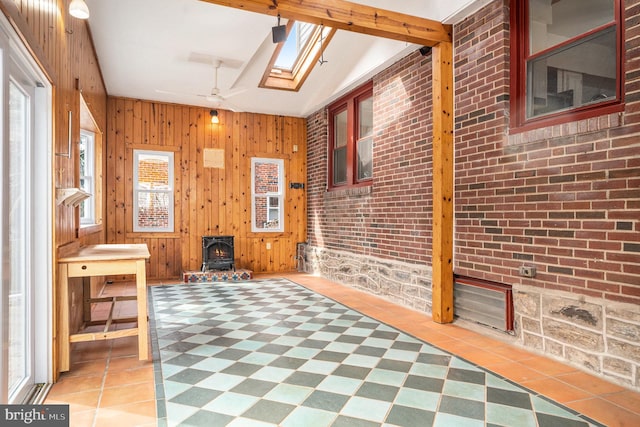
(153, 186)
(267, 195)
(87, 176)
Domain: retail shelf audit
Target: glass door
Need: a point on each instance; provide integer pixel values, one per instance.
(26, 222)
(20, 289)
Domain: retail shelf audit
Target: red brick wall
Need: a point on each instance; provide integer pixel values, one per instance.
(566, 198)
(391, 219)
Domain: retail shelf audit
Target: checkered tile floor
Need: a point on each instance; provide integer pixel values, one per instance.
(273, 353)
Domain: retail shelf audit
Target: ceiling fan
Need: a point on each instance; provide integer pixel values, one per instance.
(215, 97)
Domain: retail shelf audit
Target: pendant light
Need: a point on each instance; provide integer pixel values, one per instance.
(79, 9)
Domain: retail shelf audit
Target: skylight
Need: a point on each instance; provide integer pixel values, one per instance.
(294, 45)
(293, 59)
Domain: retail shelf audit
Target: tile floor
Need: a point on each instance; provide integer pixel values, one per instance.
(107, 385)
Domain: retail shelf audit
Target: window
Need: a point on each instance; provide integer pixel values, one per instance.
(351, 139)
(87, 176)
(153, 191)
(568, 60)
(267, 195)
(293, 59)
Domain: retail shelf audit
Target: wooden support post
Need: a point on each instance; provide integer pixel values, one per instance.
(442, 250)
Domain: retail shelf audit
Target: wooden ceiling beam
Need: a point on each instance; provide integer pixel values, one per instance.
(350, 16)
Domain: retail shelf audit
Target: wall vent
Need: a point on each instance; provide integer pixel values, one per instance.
(483, 302)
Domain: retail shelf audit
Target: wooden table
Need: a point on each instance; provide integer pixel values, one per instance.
(104, 260)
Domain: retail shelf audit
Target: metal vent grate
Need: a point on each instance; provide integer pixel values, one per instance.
(483, 302)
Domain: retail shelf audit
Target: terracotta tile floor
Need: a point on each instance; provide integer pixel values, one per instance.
(108, 386)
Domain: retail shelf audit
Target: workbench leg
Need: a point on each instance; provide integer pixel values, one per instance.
(63, 331)
(143, 324)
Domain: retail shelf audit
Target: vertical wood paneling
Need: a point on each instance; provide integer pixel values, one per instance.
(208, 201)
(109, 178)
(193, 189)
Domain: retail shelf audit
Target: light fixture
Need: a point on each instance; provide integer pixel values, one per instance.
(279, 32)
(214, 117)
(79, 9)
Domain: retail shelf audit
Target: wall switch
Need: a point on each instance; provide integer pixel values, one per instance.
(527, 271)
(268, 246)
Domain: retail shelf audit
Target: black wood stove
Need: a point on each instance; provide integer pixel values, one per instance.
(217, 253)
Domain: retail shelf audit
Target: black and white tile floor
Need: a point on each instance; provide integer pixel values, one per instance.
(270, 352)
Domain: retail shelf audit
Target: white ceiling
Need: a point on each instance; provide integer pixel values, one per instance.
(163, 50)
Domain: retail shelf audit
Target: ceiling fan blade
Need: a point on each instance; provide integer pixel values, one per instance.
(168, 92)
(235, 92)
(230, 107)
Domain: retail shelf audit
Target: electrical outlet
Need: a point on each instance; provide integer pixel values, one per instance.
(268, 246)
(527, 271)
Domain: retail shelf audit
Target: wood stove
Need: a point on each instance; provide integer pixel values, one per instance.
(217, 253)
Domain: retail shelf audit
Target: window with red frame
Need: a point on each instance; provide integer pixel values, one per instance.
(351, 139)
(567, 60)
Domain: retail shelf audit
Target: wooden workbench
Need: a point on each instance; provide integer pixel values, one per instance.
(104, 260)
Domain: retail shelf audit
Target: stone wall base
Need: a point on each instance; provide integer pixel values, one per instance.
(403, 283)
(597, 336)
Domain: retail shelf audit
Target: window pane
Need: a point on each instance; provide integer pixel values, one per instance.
(18, 315)
(153, 172)
(552, 22)
(340, 148)
(365, 158)
(274, 211)
(153, 210)
(83, 155)
(365, 109)
(295, 43)
(87, 173)
(582, 73)
(266, 178)
(340, 129)
(340, 165)
(266, 216)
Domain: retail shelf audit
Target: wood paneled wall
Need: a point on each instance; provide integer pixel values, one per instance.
(208, 201)
(63, 47)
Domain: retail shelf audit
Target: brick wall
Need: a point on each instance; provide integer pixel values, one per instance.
(390, 219)
(565, 199)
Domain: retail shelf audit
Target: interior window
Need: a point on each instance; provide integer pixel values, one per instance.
(267, 195)
(87, 176)
(153, 191)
